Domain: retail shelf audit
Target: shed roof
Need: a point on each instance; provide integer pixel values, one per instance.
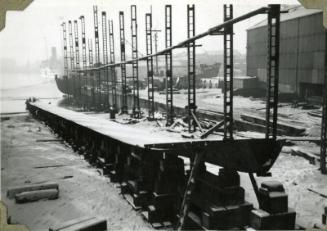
(297, 11)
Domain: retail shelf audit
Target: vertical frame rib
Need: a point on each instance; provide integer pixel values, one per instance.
(124, 107)
(113, 68)
(272, 71)
(191, 68)
(228, 74)
(149, 64)
(169, 66)
(135, 67)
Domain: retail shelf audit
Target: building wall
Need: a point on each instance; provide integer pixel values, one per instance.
(302, 46)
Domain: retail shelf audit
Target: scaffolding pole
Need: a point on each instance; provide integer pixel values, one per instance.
(169, 66)
(92, 80)
(113, 68)
(272, 71)
(155, 51)
(97, 55)
(84, 60)
(124, 107)
(191, 68)
(77, 61)
(64, 33)
(228, 73)
(149, 64)
(71, 52)
(105, 55)
(136, 103)
(323, 147)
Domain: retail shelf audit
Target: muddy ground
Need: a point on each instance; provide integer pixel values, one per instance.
(84, 191)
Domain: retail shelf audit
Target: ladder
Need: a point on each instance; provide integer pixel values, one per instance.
(71, 54)
(191, 93)
(64, 33)
(228, 74)
(112, 61)
(83, 59)
(169, 67)
(149, 63)
(136, 104)
(92, 83)
(198, 159)
(124, 108)
(105, 54)
(272, 71)
(77, 66)
(97, 52)
(83, 41)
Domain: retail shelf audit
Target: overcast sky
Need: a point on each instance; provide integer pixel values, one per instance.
(29, 35)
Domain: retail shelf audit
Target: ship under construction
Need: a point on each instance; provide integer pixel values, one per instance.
(164, 177)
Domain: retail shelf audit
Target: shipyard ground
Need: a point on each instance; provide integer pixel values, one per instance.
(29, 150)
(83, 188)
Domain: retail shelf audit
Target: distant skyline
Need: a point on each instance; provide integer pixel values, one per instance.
(29, 35)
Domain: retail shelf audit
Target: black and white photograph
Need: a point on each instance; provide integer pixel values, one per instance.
(163, 115)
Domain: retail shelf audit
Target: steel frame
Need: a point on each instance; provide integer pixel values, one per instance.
(97, 55)
(135, 68)
(211, 31)
(112, 69)
(124, 107)
(149, 64)
(84, 59)
(64, 33)
(228, 73)
(105, 54)
(191, 68)
(222, 29)
(169, 66)
(272, 71)
(90, 46)
(71, 50)
(156, 50)
(323, 146)
(77, 60)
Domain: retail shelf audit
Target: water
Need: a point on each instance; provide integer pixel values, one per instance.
(16, 88)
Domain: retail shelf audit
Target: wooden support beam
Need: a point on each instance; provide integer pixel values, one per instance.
(196, 121)
(189, 190)
(211, 130)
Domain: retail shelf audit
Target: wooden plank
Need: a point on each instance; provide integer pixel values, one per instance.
(26, 188)
(189, 190)
(31, 196)
(290, 129)
(211, 130)
(97, 223)
(196, 121)
(70, 223)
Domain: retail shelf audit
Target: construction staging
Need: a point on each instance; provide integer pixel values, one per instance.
(165, 175)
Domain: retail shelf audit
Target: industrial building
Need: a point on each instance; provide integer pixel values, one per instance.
(302, 48)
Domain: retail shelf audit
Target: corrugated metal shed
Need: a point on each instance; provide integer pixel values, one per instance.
(302, 47)
(293, 13)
